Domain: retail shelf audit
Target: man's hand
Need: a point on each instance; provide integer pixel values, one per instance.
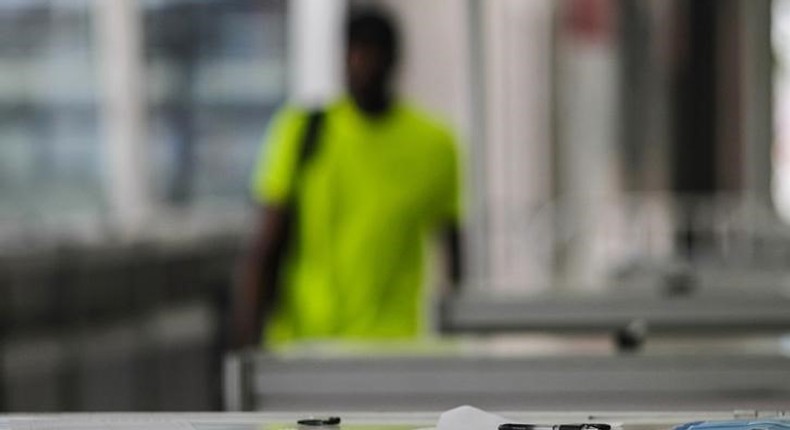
(454, 259)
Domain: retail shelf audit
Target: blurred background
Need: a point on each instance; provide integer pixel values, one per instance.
(628, 200)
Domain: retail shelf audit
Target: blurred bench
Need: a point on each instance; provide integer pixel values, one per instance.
(545, 376)
(712, 314)
(115, 325)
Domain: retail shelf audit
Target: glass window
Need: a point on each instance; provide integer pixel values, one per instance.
(49, 149)
(215, 73)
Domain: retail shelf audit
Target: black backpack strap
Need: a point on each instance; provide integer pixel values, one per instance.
(310, 139)
(307, 149)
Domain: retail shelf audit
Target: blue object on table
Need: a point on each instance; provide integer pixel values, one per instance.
(757, 424)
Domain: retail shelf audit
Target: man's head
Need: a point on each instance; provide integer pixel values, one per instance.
(372, 54)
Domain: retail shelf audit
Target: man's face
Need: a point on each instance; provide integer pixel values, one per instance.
(368, 70)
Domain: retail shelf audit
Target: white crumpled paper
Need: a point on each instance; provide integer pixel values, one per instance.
(469, 418)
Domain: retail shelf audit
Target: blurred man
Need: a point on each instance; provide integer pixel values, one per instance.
(350, 195)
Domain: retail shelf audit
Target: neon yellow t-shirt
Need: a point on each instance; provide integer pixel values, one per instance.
(369, 197)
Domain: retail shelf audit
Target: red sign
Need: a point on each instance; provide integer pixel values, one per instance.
(590, 19)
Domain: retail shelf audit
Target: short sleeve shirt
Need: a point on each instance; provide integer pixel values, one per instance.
(367, 200)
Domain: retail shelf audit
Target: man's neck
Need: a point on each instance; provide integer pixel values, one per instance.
(376, 105)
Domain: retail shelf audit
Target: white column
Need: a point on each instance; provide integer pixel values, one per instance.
(316, 49)
(119, 46)
(518, 81)
(587, 130)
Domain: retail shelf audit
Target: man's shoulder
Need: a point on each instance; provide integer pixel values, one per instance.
(427, 123)
(287, 117)
(296, 112)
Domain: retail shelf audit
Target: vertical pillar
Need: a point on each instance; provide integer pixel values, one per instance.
(119, 45)
(758, 98)
(696, 109)
(478, 249)
(518, 81)
(587, 119)
(316, 50)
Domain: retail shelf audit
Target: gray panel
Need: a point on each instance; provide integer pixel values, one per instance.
(700, 315)
(606, 381)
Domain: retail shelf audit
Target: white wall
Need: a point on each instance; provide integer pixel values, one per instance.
(434, 71)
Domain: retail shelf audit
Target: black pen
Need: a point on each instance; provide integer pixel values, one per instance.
(318, 422)
(585, 426)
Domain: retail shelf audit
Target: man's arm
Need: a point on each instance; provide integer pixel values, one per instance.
(454, 258)
(259, 275)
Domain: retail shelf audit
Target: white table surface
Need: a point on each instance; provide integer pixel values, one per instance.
(351, 421)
